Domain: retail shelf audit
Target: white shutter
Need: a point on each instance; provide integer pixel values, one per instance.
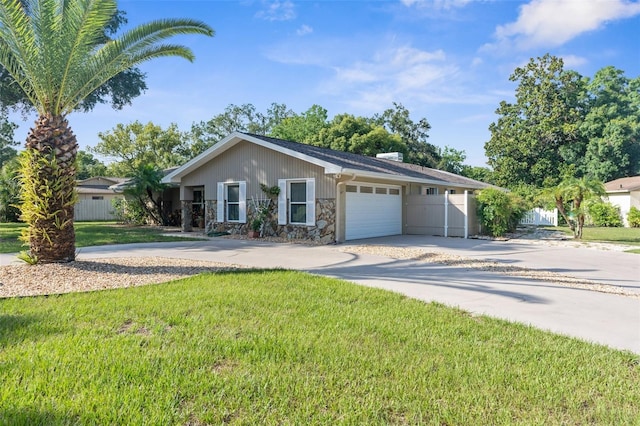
(311, 202)
(243, 202)
(220, 200)
(282, 202)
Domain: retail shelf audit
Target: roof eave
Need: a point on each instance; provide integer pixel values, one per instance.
(406, 179)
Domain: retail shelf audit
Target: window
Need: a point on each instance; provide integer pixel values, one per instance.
(381, 191)
(452, 191)
(232, 202)
(366, 190)
(97, 197)
(394, 191)
(297, 202)
(431, 191)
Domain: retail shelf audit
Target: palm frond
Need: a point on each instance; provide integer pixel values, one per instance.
(55, 50)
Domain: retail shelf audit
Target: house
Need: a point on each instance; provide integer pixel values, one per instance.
(624, 193)
(322, 194)
(95, 198)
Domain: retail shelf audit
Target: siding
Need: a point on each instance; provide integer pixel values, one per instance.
(255, 165)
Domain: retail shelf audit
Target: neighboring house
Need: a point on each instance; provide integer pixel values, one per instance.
(624, 193)
(324, 195)
(95, 198)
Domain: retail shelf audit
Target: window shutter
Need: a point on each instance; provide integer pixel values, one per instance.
(220, 200)
(311, 202)
(242, 205)
(282, 202)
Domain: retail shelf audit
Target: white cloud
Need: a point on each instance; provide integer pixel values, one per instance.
(304, 30)
(278, 11)
(573, 61)
(549, 23)
(404, 74)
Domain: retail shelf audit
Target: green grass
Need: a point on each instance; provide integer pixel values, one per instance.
(279, 347)
(627, 236)
(89, 234)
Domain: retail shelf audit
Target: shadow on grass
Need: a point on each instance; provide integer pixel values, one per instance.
(31, 416)
(14, 329)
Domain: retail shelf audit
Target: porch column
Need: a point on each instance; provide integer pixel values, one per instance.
(186, 204)
(187, 215)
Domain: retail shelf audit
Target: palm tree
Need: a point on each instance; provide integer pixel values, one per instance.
(577, 191)
(56, 53)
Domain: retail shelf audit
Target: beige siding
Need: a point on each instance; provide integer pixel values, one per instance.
(255, 165)
(89, 209)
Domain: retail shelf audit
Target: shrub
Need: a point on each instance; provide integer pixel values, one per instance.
(634, 217)
(128, 211)
(500, 211)
(605, 214)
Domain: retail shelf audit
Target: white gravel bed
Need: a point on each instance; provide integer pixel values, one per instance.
(484, 265)
(98, 274)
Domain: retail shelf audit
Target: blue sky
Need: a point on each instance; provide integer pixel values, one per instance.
(446, 60)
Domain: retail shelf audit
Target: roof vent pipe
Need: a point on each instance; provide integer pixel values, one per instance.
(394, 156)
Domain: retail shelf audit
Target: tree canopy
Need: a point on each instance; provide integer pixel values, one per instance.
(134, 145)
(562, 123)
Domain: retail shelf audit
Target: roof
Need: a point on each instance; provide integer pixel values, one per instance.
(334, 162)
(626, 184)
(92, 190)
(99, 182)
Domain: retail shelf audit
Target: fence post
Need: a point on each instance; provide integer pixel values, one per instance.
(466, 214)
(446, 213)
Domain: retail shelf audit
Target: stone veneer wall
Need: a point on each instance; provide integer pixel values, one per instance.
(324, 232)
(187, 215)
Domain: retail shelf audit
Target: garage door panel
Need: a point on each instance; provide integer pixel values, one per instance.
(373, 215)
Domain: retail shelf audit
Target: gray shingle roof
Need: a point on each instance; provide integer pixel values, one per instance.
(348, 160)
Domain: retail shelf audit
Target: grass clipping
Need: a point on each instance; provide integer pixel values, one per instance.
(485, 265)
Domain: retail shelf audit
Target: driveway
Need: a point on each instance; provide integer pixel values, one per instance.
(607, 319)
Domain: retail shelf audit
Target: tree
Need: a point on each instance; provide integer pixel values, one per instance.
(301, 128)
(611, 127)
(119, 90)
(7, 152)
(483, 174)
(235, 118)
(88, 166)
(357, 135)
(414, 135)
(9, 191)
(530, 134)
(146, 189)
(133, 145)
(451, 160)
(570, 196)
(55, 51)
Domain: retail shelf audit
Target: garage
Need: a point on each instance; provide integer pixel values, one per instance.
(373, 211)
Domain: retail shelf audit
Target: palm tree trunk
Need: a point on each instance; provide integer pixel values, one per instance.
(48, 201)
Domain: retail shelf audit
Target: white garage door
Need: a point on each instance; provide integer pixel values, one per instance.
(373, 211)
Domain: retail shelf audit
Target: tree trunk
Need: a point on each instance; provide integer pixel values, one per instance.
(49, 190)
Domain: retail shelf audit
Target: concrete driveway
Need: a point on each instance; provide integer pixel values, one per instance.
(607, 319)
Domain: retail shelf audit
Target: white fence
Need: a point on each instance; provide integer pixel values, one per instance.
(539, 217)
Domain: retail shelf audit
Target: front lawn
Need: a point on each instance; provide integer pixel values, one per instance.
(627, 236)
(89, 234)
(280, 347)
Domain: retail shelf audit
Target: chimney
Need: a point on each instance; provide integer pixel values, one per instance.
(394, 156)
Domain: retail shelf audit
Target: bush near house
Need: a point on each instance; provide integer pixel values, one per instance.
(500, 211)
(605, 214)
(633, 217)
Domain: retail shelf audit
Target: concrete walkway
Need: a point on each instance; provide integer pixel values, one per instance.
(598, 317)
